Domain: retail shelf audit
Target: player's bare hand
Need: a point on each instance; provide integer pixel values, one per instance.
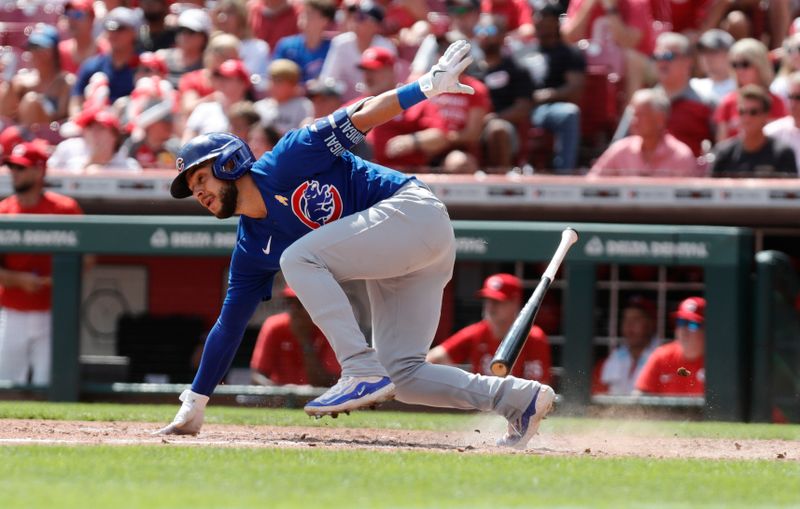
(32, 283)
(443, 77)
(400, 145)
(189, 418)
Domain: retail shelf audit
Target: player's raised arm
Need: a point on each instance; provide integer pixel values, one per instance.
(441, 79)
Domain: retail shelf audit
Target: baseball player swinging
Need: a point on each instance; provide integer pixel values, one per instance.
(323, 216)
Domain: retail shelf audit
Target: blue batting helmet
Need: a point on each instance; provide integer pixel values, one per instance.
(232, 159)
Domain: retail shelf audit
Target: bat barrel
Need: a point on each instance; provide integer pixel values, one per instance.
(512, 344)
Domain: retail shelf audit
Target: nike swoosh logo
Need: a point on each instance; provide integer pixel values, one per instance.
(434, 72)
(360, 391)
(269, 245)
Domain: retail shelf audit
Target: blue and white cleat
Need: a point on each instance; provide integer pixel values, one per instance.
(521, 430)
(351, 393)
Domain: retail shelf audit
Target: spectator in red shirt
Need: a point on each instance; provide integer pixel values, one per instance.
(751, 64)
(516, 13)
(464, 120)
(412, 138)
(82, 44)
(619, 35)
(271, 20)
(660, 374)
(25, 279)
(291, 350)
(196, 85)
(477, 343)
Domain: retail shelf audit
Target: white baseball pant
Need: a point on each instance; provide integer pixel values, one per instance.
(25, 345)
(404, 247)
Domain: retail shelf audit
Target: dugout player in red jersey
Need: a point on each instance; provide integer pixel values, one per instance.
(678, 367)
(476, 343)
(292, 350)
(25, 281)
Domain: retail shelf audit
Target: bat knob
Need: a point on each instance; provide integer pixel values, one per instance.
(499, 369)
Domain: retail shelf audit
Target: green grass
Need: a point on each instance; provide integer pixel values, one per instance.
(386, 420)
(170, 476)
(177, 477)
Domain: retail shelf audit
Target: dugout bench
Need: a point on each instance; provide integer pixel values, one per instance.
(724, 253)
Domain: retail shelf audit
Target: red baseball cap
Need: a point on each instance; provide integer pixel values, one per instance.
(30, 153)
(234, 68)
(154, 62)
(288, 293)
(501, 287)
(693, 308)
(80, 5)
(376, 58)
(103, 117)
(10, 137)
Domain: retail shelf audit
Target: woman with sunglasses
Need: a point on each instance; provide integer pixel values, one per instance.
(790, 62)
(678, 368)
(751, 66)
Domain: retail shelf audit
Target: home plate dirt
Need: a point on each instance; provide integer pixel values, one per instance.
(480, 441)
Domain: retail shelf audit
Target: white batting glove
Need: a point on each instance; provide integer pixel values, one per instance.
(189, 419)
(443, 77)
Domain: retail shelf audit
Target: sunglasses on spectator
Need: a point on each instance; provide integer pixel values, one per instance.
(184, 30)
(794, 97)
(16, 167)
(743, 64)
(689, 324)
(752, 112)
(793, 49)
(666, 56)
(76, 14)
(459, 10)
(485, 30)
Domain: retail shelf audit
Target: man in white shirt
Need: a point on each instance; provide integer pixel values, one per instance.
(364, 25)
(786, 129)
(621, 368)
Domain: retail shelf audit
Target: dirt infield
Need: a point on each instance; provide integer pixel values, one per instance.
(19, 432)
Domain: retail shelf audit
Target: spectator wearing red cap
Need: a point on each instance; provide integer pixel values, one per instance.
(290, 349)
(412, 138)
(477, 343)
(361, 31)
(150, 116)
(82, 44)
(619, 371)
(660, 374)
(271, 20)
(232, 84)
(98, 148)
(286, 107)
(38, 95)
(25, 279)
(196, 85)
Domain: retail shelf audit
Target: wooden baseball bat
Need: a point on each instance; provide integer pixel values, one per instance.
(509, 349)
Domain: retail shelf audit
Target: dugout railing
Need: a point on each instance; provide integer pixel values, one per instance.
(724, 253)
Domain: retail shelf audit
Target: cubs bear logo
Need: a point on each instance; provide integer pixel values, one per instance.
(316, 205)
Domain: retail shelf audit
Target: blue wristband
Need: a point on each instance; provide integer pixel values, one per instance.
(409, 95)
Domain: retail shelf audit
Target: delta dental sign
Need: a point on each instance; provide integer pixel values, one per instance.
(597, 247)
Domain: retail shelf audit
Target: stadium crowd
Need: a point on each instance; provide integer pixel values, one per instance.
(609, 87)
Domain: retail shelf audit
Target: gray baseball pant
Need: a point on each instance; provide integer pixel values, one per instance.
(404, 247)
